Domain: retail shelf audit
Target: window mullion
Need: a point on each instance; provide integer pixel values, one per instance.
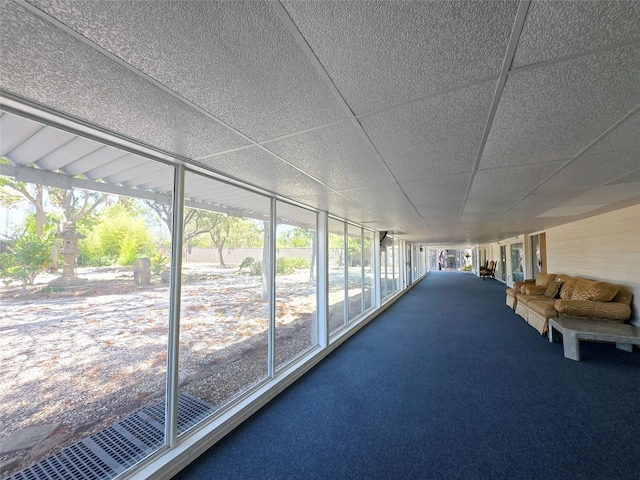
(171, 409)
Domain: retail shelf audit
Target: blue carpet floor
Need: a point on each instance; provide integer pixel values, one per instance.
(448, 383)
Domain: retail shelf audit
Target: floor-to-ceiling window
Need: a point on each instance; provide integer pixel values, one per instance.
(397, 265)
(384, 267)
(336, 270)
(85, 308)
(295, 294)
(354, 272)
(369, 273)
(224, 317)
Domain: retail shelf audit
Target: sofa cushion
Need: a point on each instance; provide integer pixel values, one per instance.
(568, 284)
(544, 279)
(543, 306)
(553, 290)
(612, 311)
(527, 299)
(595, 291)
(531, 289)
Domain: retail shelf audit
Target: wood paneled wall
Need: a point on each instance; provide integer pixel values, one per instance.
(605, 247)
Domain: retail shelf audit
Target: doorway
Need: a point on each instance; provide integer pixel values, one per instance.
(503, 263)
(539, 254)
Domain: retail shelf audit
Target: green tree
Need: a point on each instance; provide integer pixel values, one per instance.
(13, 191)
(26, 255)
(245, 233)
(118, 237)
(59, 206)
(354, 251)
(295, 238)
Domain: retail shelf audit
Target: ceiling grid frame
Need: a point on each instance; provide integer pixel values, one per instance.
(44, 16)
(308, 51)
(550, 50)
(521, 15)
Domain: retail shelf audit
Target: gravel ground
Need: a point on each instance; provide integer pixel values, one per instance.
(86, 356)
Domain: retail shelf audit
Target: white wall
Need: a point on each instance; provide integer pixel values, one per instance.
(605, 247)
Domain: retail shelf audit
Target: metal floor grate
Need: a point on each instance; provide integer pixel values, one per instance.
(118, 447)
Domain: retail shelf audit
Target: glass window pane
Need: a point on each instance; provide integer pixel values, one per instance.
(85, 313)
(336, 275)
(224, 315)
(369, 264)
(295, 302)
(517, 262)
(386, 271)
(354, 265)
(396, 265)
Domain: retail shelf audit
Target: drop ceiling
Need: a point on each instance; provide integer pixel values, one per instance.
(460, 122)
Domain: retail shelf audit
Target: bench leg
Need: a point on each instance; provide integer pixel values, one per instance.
(571, 346)
(627, 347)
(553, 334)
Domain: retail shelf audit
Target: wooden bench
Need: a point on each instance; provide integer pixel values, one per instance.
(573, 330)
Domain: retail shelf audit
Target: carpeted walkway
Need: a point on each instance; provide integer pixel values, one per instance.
(447, 383)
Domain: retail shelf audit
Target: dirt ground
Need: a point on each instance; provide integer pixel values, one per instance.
(82, 357)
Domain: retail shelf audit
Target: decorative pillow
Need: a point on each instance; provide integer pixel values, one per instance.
(568, 284)
(594, 291)
(553, 290)
(544, 279)
(624, 295)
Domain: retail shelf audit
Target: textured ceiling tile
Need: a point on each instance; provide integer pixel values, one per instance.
(236, 60)
(607, 194)
(625, 137)
(493, 206)
(510, 182)
(439, 190)
(257, 167)
(336, 155)
(390, 199)
(554, 112)
(550, 195)
(339, 206)
(435, 137)
(599, 169)
(558, 29)
(632, 177)
(418, 47)
(613, 157)
(41, 63)
(445, 211)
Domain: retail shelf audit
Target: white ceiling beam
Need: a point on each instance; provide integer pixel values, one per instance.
(58, 180)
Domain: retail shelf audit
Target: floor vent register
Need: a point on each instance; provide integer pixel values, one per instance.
(118, 447)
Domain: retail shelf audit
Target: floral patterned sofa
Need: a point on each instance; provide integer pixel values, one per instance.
(551, 296)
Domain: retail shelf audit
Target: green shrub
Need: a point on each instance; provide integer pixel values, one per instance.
(254, 266)
(26, 256)
(159, 262)
(289, 265)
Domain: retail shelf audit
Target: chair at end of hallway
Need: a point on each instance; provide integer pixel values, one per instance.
(489, 271)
